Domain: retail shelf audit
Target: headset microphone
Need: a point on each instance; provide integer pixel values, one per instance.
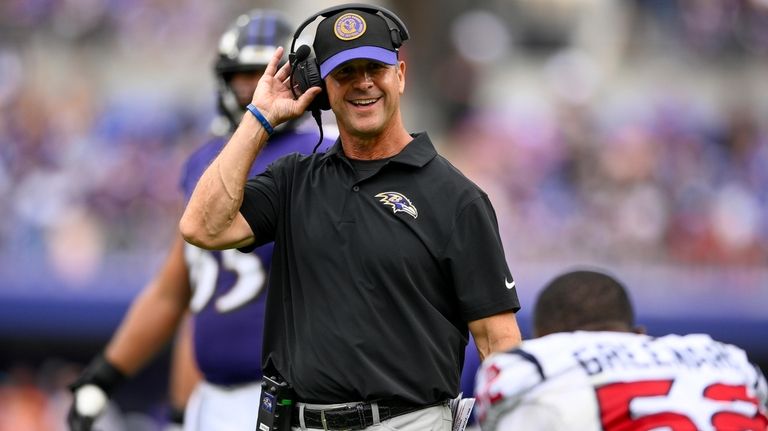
(303, 53)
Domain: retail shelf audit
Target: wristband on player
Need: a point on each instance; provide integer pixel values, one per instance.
(101, 373)
(263, 120)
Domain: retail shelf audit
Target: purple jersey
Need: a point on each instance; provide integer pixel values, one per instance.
(228, 287)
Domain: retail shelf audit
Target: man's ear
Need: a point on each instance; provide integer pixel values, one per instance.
(401, 75)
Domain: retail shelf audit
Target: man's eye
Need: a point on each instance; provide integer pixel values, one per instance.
(340, 75)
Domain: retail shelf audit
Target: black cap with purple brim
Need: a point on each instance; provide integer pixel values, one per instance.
(353, 34)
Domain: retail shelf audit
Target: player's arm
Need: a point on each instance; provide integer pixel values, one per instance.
(149, 324)
(496, 333)
(154, 316)
(505, 391)
(184, 372)
(212, 219)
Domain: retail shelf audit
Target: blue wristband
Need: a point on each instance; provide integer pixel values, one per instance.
(264, 122)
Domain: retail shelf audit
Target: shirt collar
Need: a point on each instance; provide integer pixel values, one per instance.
(417, 153)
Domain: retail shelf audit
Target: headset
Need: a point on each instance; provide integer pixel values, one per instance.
(305, 71)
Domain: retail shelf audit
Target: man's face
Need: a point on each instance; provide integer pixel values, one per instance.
(365, 95)
(243, 84)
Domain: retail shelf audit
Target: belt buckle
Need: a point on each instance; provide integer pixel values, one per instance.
(345, 427)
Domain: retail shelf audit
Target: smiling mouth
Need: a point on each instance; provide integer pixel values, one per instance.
(364, 102)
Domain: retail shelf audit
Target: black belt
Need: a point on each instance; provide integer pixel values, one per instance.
(354, 417)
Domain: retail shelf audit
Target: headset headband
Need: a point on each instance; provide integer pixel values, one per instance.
(325, 13)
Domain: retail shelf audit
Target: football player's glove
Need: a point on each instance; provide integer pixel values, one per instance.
(91, 392)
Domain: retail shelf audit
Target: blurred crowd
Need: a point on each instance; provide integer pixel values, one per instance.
(29, 401)
(648, 146)
(37, 399)
(96, 120)
(670, 185)
(96, 116)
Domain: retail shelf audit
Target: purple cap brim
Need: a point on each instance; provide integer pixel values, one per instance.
(368, 52)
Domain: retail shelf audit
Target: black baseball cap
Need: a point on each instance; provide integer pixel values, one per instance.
(353, 34)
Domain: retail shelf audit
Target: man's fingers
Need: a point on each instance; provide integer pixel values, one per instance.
(284, 72)
(305, 99)
(272, 66)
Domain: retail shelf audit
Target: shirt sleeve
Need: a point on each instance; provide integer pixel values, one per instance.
(477, 264)
(503, 383)
(260, 207)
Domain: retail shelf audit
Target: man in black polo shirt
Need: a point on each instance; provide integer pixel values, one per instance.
(385, 255)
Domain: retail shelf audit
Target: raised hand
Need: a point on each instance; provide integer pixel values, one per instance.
(273, 95)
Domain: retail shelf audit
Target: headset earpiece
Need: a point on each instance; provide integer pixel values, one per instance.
(305, 74)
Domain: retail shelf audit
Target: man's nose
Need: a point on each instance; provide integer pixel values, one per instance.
(363, 77)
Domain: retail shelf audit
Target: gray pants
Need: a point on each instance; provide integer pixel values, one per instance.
(436, 418)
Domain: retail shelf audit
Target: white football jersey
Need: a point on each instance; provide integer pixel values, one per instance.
(609, 381)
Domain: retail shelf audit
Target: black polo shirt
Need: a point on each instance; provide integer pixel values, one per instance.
(374, 277)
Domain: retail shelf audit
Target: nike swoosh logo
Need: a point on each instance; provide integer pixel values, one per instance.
(509, 284)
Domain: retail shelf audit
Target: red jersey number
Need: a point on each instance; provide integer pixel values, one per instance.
(615, 415)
